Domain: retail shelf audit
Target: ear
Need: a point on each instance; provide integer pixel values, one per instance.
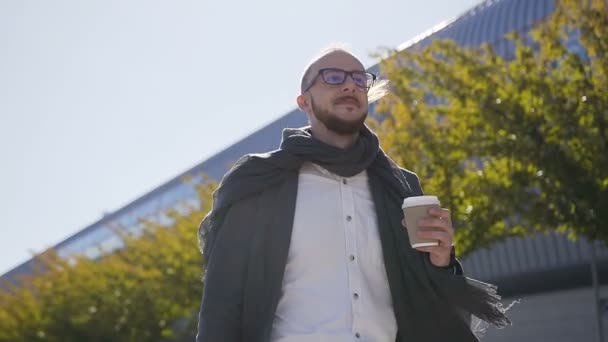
(303, 103)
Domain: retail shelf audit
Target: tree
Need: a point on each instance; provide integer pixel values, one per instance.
(149, 290)
(512, 145)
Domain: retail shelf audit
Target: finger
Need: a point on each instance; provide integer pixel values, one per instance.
(430, 222)
(441, 213)
(442, 236)
(438, 250)
(427, 249)
(445, 239)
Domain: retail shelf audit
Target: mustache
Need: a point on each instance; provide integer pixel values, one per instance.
(347, 98)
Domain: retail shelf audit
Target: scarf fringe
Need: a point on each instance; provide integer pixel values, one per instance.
(483, 302)
(478, 303)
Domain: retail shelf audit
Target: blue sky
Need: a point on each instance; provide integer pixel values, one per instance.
(101, 101)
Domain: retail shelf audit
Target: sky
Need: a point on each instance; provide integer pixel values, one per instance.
(102, 101)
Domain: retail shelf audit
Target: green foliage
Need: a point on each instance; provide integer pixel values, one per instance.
(512, 146)
(149, 290)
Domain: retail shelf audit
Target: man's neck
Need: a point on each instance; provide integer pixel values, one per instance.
(333, 138)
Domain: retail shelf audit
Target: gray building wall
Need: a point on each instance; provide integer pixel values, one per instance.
(557, 316)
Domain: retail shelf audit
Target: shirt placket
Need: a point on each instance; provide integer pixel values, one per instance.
(354, 272)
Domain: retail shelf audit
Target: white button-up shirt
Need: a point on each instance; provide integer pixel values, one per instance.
(335, 286)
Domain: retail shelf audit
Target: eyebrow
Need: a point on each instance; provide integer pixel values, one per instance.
(338, 68)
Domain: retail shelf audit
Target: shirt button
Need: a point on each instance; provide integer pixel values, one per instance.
(357, 335)
(356, 295)
(348, 218)
(352, 258)
(344, 181)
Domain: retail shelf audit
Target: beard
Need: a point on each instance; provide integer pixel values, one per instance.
(335, 124)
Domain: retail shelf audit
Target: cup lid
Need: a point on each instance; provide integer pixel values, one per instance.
(420, 200)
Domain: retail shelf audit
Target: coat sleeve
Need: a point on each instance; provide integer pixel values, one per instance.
(220, 315)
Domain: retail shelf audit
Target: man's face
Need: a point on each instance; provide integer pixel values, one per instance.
(341, 108)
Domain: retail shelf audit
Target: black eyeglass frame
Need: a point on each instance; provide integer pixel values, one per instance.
(346, 75)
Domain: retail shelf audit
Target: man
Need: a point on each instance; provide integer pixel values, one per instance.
(307, 243)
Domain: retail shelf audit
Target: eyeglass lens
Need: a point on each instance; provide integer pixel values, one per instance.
(337, 76)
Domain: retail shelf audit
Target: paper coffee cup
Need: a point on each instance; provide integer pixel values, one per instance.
(415, 208)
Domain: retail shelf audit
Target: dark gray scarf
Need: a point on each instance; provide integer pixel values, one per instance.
(430, 303)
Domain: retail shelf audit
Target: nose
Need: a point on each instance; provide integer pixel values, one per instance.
(349, 85)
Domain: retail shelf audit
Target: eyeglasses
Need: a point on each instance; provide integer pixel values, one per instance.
(333, 76)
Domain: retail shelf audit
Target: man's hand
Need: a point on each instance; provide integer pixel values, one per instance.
(438, 226)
